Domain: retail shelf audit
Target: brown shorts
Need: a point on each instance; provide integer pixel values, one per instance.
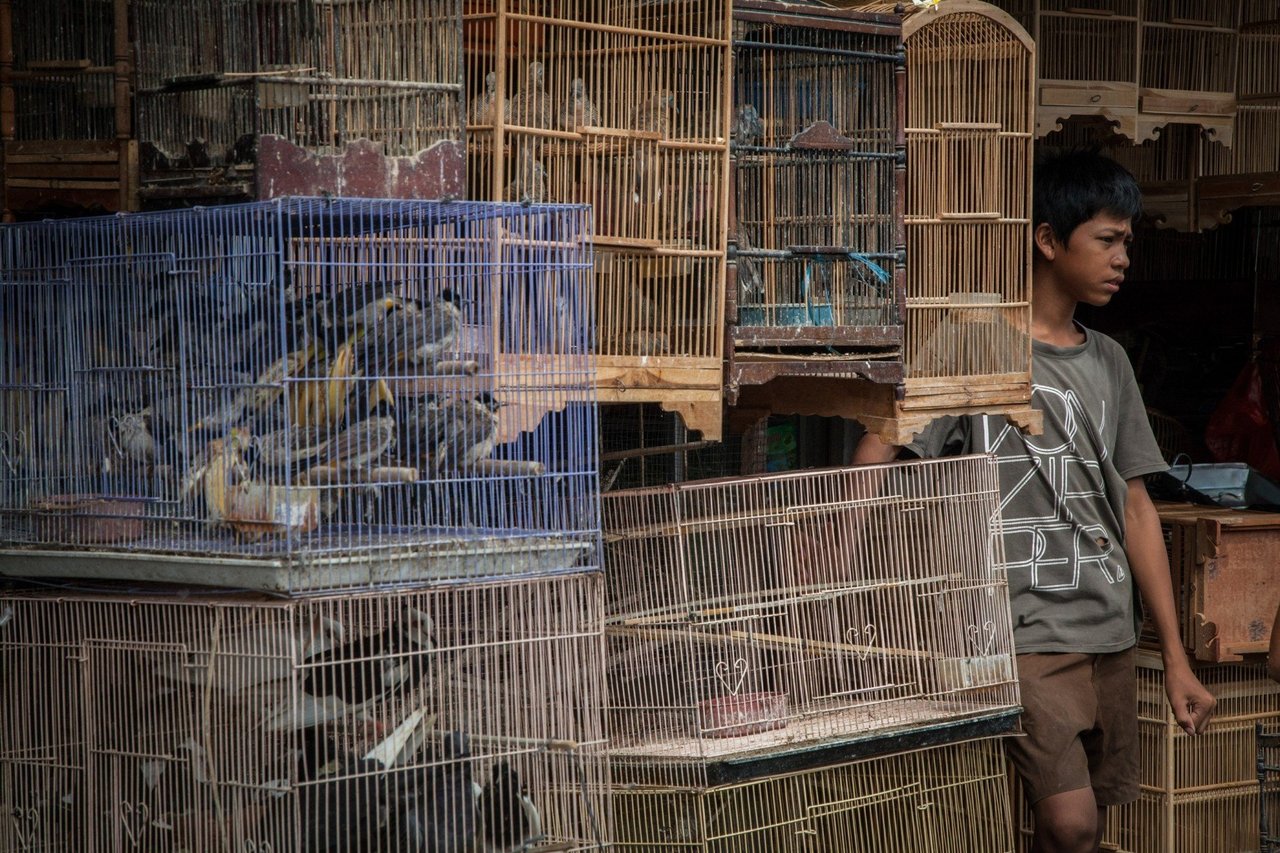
(1081, 721)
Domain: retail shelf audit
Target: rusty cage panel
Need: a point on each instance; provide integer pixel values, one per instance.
(620, 104)
(817, 169)
(430, 720)
(953, 798)
(245, 99)
(66, 108)
(806, 611)
(305, 393)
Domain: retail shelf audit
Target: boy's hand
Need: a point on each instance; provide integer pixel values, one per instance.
(1192, 704)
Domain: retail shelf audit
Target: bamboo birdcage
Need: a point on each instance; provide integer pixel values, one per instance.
(802, 612)
(620, 105)
(1187, 67)
(244, 99)
(65, 107)
(307, 393)
(1268, 766)
(912, 800)
(353, 723)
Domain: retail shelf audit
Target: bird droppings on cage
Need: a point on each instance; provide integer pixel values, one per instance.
(461, 718)
(861, 601)
(303, 380)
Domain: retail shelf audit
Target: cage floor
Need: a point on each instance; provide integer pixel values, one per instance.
(285, 567)
(812, 731)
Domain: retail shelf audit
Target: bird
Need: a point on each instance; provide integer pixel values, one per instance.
(351, 681)
(414, 334)
(653, 116)
(418, 421)
(438, 806)
(484, 109)
(466, 432)
(133, 439)
(509, 819)
(532, 107)
(579, 111)
(750, 282)
(360, 443)
(529, 186)
(748, 128)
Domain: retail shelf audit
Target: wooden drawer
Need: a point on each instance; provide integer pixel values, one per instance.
(1189, 103)
(1224, 565)
(1067, 94)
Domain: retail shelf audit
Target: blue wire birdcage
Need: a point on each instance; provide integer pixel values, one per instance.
(299, 394)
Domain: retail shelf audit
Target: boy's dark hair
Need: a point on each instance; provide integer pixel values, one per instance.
(1076, 186)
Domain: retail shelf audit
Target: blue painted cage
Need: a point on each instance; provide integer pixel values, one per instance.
(300, 394)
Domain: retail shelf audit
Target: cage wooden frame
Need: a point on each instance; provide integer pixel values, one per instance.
(66, 165)
(826, 632)
(643, 138)
(904, 801)
(254, 100)
(171, 721)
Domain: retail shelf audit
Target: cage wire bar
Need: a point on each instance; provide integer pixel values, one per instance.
(65, 107)
(948, 799)
(1268, 765)
(441, 719)
(299, 394)
(752, 616)
(234, 94)
(818, 158)
(621, 105)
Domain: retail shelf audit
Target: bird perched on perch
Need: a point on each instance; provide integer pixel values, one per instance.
(465, 432)
(438, 804)
(529, 186)
(748, 127)
(579, 111)
(131, 436)
(484, 109)
(413, 334)
(509, 819)
(359, 444)
(532, 107)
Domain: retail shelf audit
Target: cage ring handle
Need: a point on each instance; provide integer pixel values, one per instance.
(1173, 463)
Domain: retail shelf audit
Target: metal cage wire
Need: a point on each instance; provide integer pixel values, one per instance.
(793, 611)
(307, 393)
(429, 720)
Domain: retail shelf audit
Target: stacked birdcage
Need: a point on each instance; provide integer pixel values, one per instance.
(952, 797)
(757, 622)
(358, 723)
(1268, 790)
(308, 393)
(1187, 66)
(1258, 109)
(65, 108)
(817, 215)
(620, 105)
(257, 99)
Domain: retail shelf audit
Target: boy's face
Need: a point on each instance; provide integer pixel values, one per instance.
(1090, 268)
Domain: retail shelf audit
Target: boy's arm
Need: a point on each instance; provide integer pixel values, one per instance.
(872, 451)
(1192, 704)
(1273, 655)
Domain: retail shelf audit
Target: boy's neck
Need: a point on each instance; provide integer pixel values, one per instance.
(1052, 311)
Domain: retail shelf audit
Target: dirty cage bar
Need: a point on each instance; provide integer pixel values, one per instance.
(306, 393)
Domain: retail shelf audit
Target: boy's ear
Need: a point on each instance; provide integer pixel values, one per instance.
(1045, 241)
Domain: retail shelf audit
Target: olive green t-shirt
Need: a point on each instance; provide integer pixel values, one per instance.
(1063, 495)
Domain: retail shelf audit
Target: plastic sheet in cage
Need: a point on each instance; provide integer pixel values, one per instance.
(300, 394)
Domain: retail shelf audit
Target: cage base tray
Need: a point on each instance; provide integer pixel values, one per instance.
(303, 574)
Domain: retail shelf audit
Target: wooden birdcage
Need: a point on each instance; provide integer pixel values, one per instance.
(1269, 785)
(362, 724)
(66, 108)
(817, 213)
(969, 113)
(621, 105)
(1196, 792)
(245, 99)
(1187, 67)
(904, 801)
(860, 603)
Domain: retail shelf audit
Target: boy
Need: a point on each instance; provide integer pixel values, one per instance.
(1079, 527)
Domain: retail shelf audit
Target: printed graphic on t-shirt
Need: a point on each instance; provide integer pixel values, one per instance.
(1043, 479)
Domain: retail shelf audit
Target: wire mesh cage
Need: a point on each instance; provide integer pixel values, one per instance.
(1268, 766)
(620, 105)
(816, 142)
(257, 99)
(971, 73)
(307, 393)
(433, 720)
(65, 108)
(860, 601)
(907, 801)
